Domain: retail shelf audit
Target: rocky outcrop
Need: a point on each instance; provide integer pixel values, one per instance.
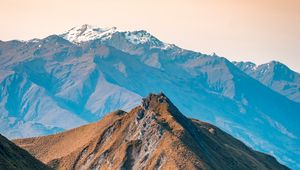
(154, 135)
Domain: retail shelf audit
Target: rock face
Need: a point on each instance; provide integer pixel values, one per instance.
(13, 157)
(154, 135)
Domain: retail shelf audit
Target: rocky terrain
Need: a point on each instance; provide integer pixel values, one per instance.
(68, 80)
(154, 135)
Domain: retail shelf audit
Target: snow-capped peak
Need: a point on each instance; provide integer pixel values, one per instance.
(143, 37)
(88, 32)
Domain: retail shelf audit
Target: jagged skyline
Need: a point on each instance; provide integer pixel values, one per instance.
(258, 31)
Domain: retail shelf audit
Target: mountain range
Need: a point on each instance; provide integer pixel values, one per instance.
(64, 81)
(153, 135)
(275, 75)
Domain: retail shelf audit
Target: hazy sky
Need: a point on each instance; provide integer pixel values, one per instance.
(254, 30)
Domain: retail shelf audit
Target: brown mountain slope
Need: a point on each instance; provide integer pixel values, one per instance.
(154, 135)
(13, 157)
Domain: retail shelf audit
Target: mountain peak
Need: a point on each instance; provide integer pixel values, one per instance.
(153, 100)
(248, 65)
(275, 66)
(87, 32)
(144, 37)
(146, 139)
(160, 103)
(275, 75)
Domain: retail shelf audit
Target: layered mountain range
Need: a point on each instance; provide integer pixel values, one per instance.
(64, 81)
(153, 135)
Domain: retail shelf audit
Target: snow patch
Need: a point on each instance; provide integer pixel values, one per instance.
(138, 37)
(143, 37)
(87, 32)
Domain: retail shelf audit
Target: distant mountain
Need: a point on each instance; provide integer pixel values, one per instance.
(154, 135)
(13, 157)
(87, 33)
(124, 40)
(53, 84)
(275, 75)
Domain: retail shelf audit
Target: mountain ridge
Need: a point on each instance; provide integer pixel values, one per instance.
(154, 135)
(275, 75)
(44, 94)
